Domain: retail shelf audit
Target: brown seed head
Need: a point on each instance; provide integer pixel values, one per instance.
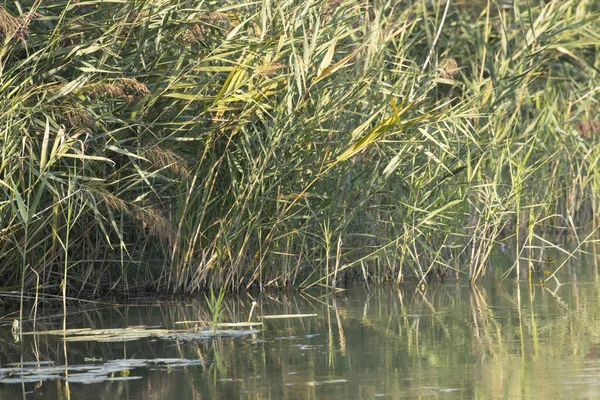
(448, 68)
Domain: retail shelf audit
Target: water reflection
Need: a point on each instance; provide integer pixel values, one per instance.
(452, 340)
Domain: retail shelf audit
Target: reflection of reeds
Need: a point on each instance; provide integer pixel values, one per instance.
(340, 327)
(394, 341)
(486, 329)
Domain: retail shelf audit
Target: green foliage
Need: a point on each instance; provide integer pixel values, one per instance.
(188, 144)
(215, 305)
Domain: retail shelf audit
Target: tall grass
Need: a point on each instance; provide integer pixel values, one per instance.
(186, 144)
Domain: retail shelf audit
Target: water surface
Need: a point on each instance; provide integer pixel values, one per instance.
(447, 341)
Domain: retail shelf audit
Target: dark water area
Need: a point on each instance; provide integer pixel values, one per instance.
(449, 340)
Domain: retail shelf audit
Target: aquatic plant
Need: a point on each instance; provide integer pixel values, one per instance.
(215, 305)
(186, 145)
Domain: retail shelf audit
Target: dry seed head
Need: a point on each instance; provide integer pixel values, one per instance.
(8, 24)
(96, 90)
(448, 68)
(166, 158)
(78, 116)
(133, 85)
(587, 128)
(214, 17)
(194, 33)
(17, 26)
(328, 8)
(135, 17)
(126, 88)
(149, 218)
(110, 199)
(209, 18)
(155, 223)
(268, 69)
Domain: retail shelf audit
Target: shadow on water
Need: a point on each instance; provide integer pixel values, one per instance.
(508, 340)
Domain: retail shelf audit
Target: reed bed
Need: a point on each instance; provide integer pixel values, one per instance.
(183, 145)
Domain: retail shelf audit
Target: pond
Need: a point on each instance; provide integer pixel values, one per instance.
(448, 340)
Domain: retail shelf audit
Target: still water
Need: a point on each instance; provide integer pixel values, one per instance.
(450, 340)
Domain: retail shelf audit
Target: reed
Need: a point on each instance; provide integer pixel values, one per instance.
(186, 145)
